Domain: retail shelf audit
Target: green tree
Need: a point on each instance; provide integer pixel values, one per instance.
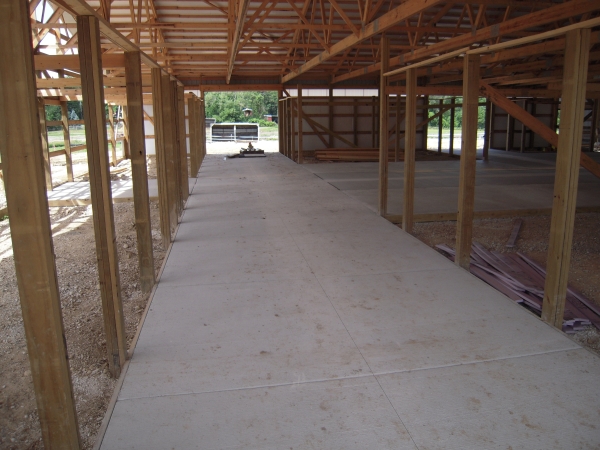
(229, 106)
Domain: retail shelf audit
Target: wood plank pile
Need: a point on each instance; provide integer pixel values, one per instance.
(522, 279)
(354, 155)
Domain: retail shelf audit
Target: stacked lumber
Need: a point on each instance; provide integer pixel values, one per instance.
(354, 154)
(522, 279)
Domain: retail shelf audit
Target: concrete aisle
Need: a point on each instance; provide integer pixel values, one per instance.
(290, 316)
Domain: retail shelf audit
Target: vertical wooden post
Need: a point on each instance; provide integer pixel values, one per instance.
(139, 172)
(468, 156)
(595, 130)
(383, 126)
(331, 118)
(178, 194)
(300, 137)
(64, 116)
(410, 143)
(373, 123)
(531, 133)
(170, 145)
(440, 127)
(161, 164)
(279, 120)
(202, 119)
(355, 121)
(452, 116)
(425, 116)
(113, 135)
(522, 140)
(293, 130)
(510, 132)
(398, 122)
(185, 185)
(24, 177)
(90, 60)
(487, 135)
(567, 175)
(194, 138)
(126, 147)
(45, 147)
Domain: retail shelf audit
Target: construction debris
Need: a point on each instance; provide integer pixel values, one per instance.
(515, 233)
(522, 279)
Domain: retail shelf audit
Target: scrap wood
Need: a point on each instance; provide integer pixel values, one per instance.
(522, 280)
(515, 233)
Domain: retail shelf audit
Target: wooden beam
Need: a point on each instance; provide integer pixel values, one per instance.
(30, 230)
(377, 26)
(537, 18)
(567, 176)
(45, 147)
(181, 127)
(64, 115)
(300, 137)
(466, 188)
(139, 171)
(383, 128)
(161, 169)
(410, 143)
(534, 124)
(239, 26)
(194, 122)
(428, 62)
(88, 35)
(173, 150)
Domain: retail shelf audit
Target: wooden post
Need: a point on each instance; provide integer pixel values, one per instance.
(373, 123)
(355, 122)
(510, 131)
(522, 140)
(113, 135)
(567, 175)
(398, 122)
(300, 137)
(90, 60)
(126, 148)
(440, 127)
(533, 113)
(177, 190)
(383, 126)
(64, 116)
(595, 131)
(202, 118)
(452, 116)
(194, 138)
(24, 178)
(171, 147)
(293, 130)
(468, 156)
(161, 164)
(425, 116)
(139, 172)
(45, 147)
(331, 117)
(280, 120)
(185, 185)
(410, 138)
(487, 134)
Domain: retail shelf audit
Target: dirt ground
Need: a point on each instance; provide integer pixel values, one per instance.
(74, 245)
(584, 272)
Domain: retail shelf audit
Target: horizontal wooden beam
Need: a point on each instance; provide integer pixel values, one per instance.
(58, 62)
(428, 62)
(58, 83)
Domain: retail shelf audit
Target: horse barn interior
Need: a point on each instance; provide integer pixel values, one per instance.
(294, 307)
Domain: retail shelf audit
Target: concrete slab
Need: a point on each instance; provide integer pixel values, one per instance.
(499, 183)
(290, 315)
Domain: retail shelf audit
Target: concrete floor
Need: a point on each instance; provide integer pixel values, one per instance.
(290, 316)
(499, 183)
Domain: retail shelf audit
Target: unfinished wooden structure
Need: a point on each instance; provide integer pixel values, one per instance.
(525, 62)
